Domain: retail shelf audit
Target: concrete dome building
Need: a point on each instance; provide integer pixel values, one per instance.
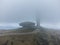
(27, 24)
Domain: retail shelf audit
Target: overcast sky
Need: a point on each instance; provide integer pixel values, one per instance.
(13, 11)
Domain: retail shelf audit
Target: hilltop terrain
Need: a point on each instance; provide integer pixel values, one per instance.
(42, 36)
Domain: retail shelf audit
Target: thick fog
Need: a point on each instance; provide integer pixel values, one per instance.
(15, 11)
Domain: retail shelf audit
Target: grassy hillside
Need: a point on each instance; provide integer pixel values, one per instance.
(42, 36)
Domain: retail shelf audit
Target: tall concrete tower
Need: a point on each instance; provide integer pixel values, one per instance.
(38, 19)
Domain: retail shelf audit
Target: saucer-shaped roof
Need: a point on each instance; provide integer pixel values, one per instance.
(27, 24)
